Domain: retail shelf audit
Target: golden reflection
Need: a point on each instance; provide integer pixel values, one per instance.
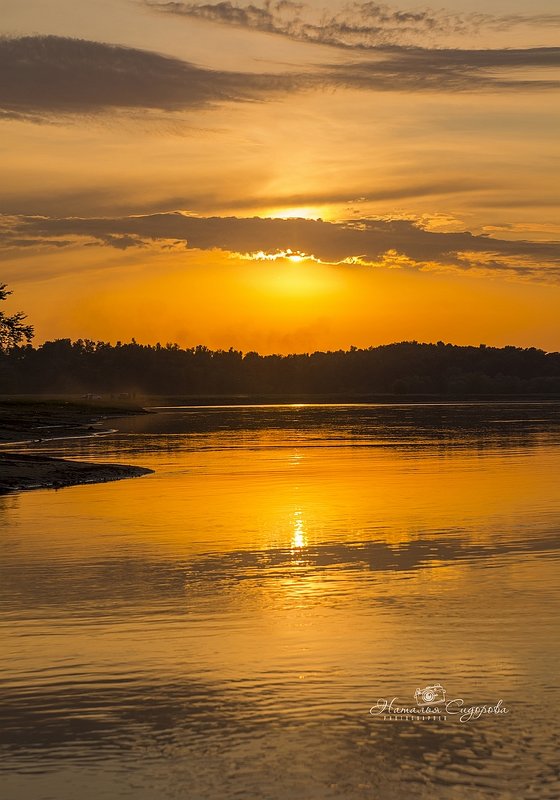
(342, 494)
(310, 530)
(299, 538)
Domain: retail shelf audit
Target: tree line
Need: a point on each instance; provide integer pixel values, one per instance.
(404, 368)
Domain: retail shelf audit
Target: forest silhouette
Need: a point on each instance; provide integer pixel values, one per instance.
(404, 368)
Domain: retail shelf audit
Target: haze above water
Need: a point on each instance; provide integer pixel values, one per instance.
(221, 628)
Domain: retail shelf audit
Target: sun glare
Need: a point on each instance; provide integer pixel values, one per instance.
(295, 256)
(303, 212)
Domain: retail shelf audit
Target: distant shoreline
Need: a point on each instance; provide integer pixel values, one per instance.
(155, 401)
(105, 408)
(26, 422)
(406, 369)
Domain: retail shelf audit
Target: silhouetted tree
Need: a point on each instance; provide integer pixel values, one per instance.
(12, 329)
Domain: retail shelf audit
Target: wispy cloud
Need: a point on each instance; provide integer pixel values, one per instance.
(391, 37)
(391, 242)
(244, 198)
(420, 69)
(362, 26)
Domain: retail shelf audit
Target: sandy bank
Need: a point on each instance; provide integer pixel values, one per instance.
(18, 471)
(40, 420)
(30, 422)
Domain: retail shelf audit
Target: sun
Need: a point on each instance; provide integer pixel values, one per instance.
(301, 212)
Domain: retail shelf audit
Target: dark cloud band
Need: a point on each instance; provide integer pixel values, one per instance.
(55, 75)
(366, 240)
(48, 76)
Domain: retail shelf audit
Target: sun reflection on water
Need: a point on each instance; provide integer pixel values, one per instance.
(299, 537)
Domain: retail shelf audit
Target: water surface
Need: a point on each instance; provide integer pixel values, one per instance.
(222, 627)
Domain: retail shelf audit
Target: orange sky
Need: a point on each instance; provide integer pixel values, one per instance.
(149, 147)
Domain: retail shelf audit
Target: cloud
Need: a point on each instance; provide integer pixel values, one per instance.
(419, 69)
(28, 201)
(49, 76)
(390, 242)
(361, 25)
(401, 190)
(390, 37)
(45, 75)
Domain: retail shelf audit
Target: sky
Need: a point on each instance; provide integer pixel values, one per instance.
(280, 176)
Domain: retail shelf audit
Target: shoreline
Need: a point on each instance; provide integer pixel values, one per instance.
(27, 423)
(345, 398)
(23, 472)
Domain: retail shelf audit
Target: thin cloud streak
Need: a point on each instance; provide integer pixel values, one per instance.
(109, 202)
(416, 69)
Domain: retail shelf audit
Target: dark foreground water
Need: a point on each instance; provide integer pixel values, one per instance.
(222, 628)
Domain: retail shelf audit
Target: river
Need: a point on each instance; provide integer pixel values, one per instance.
(230, 626)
